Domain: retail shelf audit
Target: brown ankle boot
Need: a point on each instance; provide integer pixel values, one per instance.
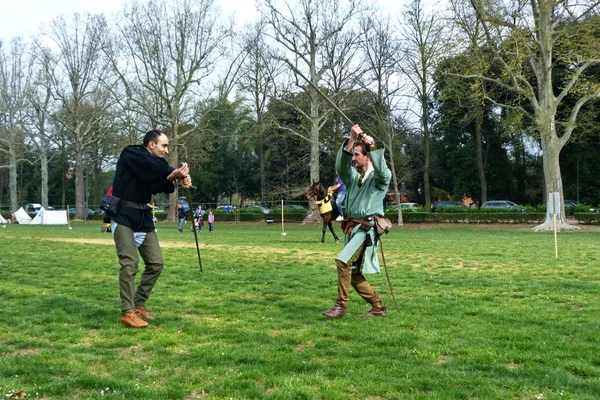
(133, 321)
(143, 313)
(375, 312)
(335, 312)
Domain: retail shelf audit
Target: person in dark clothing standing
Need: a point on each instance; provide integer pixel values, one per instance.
(181, 216)
(142, 171)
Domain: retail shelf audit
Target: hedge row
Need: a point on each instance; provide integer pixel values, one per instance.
(408, 217)
(470, 218)
(588, 218)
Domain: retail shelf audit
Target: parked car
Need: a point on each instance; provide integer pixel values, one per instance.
(227, 208)
(502, 205)
(33, 207)
(72, 210)
(446, 204)
(294, 207)
(570, 207)
(410, 206)
(571, 204)
(404, 206)
(264, 210)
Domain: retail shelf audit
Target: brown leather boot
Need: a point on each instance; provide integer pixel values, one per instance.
(335, 312)
(133, 321)
(375, 312)
(143, 313)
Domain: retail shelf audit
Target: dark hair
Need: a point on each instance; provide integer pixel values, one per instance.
(152, 136)
(363, 147)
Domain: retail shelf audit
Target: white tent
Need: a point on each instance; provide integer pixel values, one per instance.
(48, 217)
(22, 217)
(3, 220)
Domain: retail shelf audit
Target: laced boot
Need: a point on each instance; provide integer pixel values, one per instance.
(335, 312)
(133, 321)
(143, 313)
(375, 312)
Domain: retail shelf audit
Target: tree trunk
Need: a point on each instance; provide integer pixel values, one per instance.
(80, 200)
(390, 142)
(261, 157)
(174, 160)
(12, 180)
(44, 172)
(553, 183)
(480, 162)
(426, 184)
(314, 163)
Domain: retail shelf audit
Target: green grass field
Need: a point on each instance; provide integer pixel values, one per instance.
(486, 312)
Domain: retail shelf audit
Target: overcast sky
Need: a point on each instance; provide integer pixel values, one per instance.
(23, 17)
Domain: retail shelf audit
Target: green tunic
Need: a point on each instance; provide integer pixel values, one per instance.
(362, 201)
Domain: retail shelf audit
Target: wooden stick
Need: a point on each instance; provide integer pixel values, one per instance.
(555, 238)
(282, 223)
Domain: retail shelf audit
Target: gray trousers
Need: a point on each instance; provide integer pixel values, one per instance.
(128, 258)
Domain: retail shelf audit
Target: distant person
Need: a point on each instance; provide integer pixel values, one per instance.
(228, 209)
(198, 219)
(181, 216)
(339, 189)
(211, 220)
(142, 171)
(361, 164)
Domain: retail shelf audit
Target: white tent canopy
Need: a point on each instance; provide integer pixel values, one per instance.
(22, 217)
(3, 220)
(48, 217)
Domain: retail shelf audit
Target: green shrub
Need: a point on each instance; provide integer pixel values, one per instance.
(582, 208)
(588, 218)
(453, 210)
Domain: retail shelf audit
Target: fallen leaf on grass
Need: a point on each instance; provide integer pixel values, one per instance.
(17, 395)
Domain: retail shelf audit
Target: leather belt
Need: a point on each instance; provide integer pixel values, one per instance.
(349, 224)
(131, 204)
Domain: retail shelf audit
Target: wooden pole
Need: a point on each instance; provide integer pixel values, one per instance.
(555, 237)
(282, 220)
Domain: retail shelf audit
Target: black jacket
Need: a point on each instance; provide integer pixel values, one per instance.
(139, 175)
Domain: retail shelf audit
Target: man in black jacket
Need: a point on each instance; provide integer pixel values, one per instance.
(141, 172)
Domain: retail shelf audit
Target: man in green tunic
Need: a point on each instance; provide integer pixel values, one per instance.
(361, 165)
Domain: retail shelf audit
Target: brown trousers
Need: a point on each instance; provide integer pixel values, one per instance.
(359, 283)
(129, 259)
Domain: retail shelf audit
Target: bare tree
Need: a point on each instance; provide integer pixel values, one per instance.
(525, 37)
(425, 37)
(470, 31)
(171, 47)
(79, 69)
(343, 77)
(14, 82)
(257, 81)
(381, 50)
(39, 96)
(301, 29)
